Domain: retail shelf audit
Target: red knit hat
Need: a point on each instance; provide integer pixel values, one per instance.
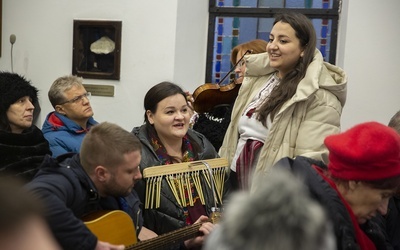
(369, 151)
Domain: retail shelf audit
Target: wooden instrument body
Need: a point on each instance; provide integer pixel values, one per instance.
(209, 95)
(116, 227)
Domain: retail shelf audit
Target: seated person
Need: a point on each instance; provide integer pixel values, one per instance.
(65, 127)
(167, 139)
(280, 215)
(22, 226)
(362, 175)
(22, 145)
(391, 221)
(74, 185)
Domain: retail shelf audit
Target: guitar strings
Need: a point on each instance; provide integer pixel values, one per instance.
(164, 240)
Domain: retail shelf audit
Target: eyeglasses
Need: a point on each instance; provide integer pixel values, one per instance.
(78, 98)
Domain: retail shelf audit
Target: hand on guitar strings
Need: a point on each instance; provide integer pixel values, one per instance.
(101, 245)
(204, 230)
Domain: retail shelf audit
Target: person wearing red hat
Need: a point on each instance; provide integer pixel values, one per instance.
(363, 173)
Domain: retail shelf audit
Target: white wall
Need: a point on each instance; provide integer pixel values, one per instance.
(151, 48)
(368, 52)
(166, 40)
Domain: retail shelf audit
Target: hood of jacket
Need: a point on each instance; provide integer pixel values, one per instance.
(69, 166)
(57, 122)
(319, 75)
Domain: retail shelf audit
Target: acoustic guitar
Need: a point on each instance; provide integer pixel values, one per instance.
(116, 227)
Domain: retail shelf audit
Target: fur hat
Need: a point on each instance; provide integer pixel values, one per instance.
(369, 151)
(13, 87)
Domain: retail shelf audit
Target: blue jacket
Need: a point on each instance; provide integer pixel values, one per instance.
(68, 194)
(63, 134)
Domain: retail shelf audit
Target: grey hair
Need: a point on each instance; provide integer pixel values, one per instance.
(60, 85)
(279, 215)
(395, 122)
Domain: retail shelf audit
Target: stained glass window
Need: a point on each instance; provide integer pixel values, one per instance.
(233, 22)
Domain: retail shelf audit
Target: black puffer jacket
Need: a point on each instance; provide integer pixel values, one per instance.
(69, 194)
(393, 222)
(322, 192)
(390, 223)
(170, 216)
(22, 154)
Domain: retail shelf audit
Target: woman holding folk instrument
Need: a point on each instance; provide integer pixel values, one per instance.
(166, 139)
(209, 95)
(217, 101)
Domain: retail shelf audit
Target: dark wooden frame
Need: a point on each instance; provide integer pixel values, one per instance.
(85, 62)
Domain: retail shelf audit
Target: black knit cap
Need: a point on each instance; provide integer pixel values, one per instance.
(12, 88)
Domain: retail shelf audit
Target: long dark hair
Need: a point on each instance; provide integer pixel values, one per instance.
(155, 95)
(305, 32)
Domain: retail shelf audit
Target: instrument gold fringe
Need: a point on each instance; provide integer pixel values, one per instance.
(181, 177)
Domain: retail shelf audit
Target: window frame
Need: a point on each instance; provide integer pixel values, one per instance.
(215, 11)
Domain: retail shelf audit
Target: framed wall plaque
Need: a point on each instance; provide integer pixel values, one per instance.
(97, 49)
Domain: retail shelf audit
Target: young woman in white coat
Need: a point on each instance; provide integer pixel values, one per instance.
(289, 101)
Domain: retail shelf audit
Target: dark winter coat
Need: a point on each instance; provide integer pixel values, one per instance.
(69, 194)
(22, 154)
(170, 215)
(393, 222)
(390, 223)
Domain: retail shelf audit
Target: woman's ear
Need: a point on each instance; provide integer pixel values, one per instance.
(150, 117)
(302, 54)
(354, 185)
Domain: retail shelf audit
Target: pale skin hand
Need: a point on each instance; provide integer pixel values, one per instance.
(146, 234)
(190, 101)
(101, 245)
(205, 229)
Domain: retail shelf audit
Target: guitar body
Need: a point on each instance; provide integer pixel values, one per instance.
(115, 227)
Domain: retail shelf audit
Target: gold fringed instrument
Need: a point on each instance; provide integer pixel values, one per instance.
(185, 176)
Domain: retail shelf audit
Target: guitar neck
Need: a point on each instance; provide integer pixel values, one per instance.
(168, 239)
(116, 227)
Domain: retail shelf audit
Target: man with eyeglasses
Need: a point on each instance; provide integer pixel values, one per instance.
(65, 127)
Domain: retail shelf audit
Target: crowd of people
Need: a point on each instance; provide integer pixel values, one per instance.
(294, 180)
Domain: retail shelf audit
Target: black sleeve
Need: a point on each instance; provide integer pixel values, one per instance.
(69, 231)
